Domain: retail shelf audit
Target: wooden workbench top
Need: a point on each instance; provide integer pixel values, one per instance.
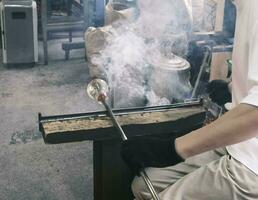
(97, 127)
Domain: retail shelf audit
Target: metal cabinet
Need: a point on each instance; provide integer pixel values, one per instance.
(19, 32)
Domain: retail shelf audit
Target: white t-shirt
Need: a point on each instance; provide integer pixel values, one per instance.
(245, 75)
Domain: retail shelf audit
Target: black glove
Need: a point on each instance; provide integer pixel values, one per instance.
(149, 152)
(219, 92)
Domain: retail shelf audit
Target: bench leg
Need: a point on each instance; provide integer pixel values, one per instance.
(44, 30)
(112, 178)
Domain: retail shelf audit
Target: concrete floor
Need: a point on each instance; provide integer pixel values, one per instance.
(30, 169)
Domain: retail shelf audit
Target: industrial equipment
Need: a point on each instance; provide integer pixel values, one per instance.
(19, 32)
(175, 73)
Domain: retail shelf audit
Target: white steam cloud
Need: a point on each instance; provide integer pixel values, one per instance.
(161, 28)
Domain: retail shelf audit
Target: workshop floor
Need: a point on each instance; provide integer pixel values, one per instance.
(30, 169)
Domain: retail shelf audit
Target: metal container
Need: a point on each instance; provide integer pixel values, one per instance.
(170, 78)
(19, 32)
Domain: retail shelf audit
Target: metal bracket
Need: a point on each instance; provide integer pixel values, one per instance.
(213, 110)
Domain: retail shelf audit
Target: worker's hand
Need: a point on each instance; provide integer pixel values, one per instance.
(218, 91)
(149, 152)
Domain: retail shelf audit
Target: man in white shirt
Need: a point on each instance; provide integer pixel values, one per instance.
(220, 160)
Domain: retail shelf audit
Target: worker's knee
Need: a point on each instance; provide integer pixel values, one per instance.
(138, 187)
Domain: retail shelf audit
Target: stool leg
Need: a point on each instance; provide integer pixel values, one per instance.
(67, 54)
(70, 36)
(45, 47)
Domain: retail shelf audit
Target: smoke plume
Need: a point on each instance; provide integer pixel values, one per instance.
(161, 28)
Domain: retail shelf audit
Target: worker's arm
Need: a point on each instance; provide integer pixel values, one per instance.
(235, 126)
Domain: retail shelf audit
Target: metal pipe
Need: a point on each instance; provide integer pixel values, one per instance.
(112, 116)
(143, 173)
(98, 89)
(149, 185)
(205, 63)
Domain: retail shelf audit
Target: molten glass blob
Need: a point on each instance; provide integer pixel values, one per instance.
(98, 90)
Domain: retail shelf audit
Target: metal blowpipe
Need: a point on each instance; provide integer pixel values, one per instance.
(98, 90)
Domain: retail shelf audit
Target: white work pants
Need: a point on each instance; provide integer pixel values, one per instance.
(213, 175)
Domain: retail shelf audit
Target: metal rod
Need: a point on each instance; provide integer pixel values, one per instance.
(206, 59)
(148, 183)
(143, 173)
(112, 116)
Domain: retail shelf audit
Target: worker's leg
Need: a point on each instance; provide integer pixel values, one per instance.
(225, 179)
(165, 177)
